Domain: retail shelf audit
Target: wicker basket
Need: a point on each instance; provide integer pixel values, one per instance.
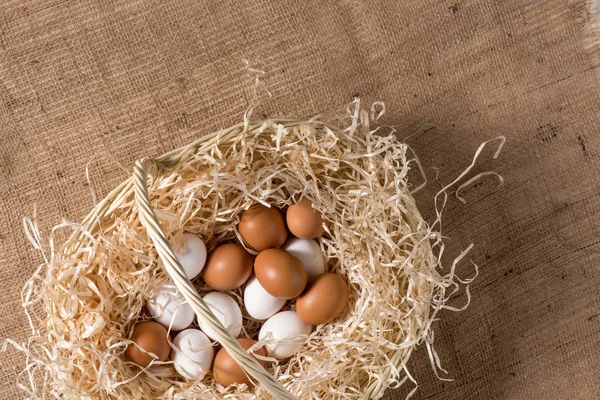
(412, 273)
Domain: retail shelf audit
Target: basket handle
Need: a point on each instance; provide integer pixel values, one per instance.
(174, 269)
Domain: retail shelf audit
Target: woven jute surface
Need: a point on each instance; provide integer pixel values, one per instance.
(103, 83)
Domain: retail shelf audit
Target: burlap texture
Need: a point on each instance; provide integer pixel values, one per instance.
(108, 82)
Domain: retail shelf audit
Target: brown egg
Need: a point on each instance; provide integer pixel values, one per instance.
(303, 221)
(280, 273)
(227, 371)
(263, 227)
(152, 337)
(324, 298)
(228, 267)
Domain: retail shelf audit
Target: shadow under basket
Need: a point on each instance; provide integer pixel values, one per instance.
(94, 286)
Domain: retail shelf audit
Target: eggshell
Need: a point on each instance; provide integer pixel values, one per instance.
(151, 337)
(193, 257)
(280, 273)
(288, 333)
(309, 252)
(193, 355)
(168, 304)
(228, 267)
(227, 371)
(262, 227)
(304, 221)
(258, 302)
(226, 309)
(324, 298)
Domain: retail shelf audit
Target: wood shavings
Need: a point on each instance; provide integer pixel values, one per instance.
(84, 300)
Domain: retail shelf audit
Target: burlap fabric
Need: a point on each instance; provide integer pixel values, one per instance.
(106, 82)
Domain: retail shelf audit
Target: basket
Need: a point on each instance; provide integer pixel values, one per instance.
(375, 238)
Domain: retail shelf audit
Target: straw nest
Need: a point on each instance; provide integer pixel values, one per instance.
(85, 298)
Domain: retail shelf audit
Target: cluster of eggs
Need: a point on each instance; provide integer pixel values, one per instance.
(287, 267)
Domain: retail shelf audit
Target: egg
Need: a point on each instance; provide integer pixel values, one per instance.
(227, 371)
(287, 334)
(324, 298)
(193, 257)
(228, 267)
(303, 221)
(258, 302)
(152, 338)
(262, 227)
(280, 273)
(226, 309)
(309, 252)
(168, 305)
(193, 354)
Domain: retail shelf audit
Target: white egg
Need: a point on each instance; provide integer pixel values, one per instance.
(168, 307)
(309, 252)
(193, 355)
(227, 310)
(287, 334)
(258, 302)
(194, 255)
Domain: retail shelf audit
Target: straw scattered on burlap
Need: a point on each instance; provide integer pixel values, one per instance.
(90, 290)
